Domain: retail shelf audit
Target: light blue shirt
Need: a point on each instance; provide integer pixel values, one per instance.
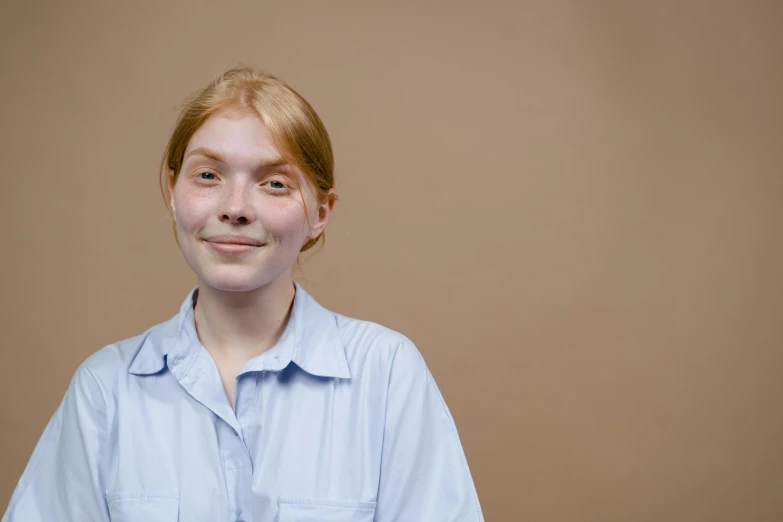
(340, 421)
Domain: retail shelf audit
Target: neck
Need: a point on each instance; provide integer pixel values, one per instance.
(242, 325)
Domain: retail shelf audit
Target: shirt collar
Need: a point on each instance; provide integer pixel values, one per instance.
(311, 340)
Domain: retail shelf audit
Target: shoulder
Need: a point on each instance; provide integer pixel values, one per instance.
(370, 345)
(110, 365)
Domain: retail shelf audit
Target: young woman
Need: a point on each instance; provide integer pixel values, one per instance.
(253, 403)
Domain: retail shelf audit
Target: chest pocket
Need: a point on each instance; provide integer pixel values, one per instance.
(124, 507)
(321, 510)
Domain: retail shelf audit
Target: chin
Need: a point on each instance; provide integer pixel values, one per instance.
(236, 280)
(231, 284)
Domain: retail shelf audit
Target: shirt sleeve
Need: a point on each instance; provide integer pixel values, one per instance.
(63, 479)
(424, 473)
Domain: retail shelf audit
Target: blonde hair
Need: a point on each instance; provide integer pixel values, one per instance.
(296, 129)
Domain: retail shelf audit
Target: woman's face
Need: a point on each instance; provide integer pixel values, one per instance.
(233, 188)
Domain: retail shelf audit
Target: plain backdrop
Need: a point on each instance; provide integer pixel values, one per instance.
(574, 209)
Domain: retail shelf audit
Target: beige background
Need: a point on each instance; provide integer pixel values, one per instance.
(575, 209)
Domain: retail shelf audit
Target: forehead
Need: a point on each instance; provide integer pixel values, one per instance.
(238, 135)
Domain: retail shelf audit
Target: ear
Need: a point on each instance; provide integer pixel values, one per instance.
(170, 183)
(324, 213)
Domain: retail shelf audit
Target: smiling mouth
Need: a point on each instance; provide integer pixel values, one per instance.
(232, 248)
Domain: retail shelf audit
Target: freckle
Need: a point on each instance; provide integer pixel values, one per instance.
(281, 204)
(196, 194)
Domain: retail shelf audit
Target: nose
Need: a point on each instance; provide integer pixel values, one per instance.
(236, 206)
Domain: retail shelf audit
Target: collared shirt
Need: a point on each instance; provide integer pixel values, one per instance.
(339, 421)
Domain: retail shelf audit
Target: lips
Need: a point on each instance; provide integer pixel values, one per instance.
(234, 240)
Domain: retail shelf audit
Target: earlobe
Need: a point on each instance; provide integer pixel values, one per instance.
(170, 183)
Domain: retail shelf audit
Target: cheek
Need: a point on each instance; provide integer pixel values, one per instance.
(284, 219)
(192, 208)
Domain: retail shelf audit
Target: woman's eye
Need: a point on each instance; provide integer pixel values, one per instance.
(202, 174)
(279, 185)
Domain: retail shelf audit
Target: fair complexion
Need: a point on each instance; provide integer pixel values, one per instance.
(233, 182)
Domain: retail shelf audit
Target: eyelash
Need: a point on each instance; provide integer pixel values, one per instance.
(284, 187)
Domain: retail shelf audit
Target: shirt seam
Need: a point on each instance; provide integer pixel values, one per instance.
(104, 435)
(385, 417)
(103, 396)
(455, 433)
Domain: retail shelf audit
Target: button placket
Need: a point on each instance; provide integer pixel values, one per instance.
(238, 466)
(238, 474)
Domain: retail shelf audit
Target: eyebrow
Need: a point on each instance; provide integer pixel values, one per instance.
(216, 156)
